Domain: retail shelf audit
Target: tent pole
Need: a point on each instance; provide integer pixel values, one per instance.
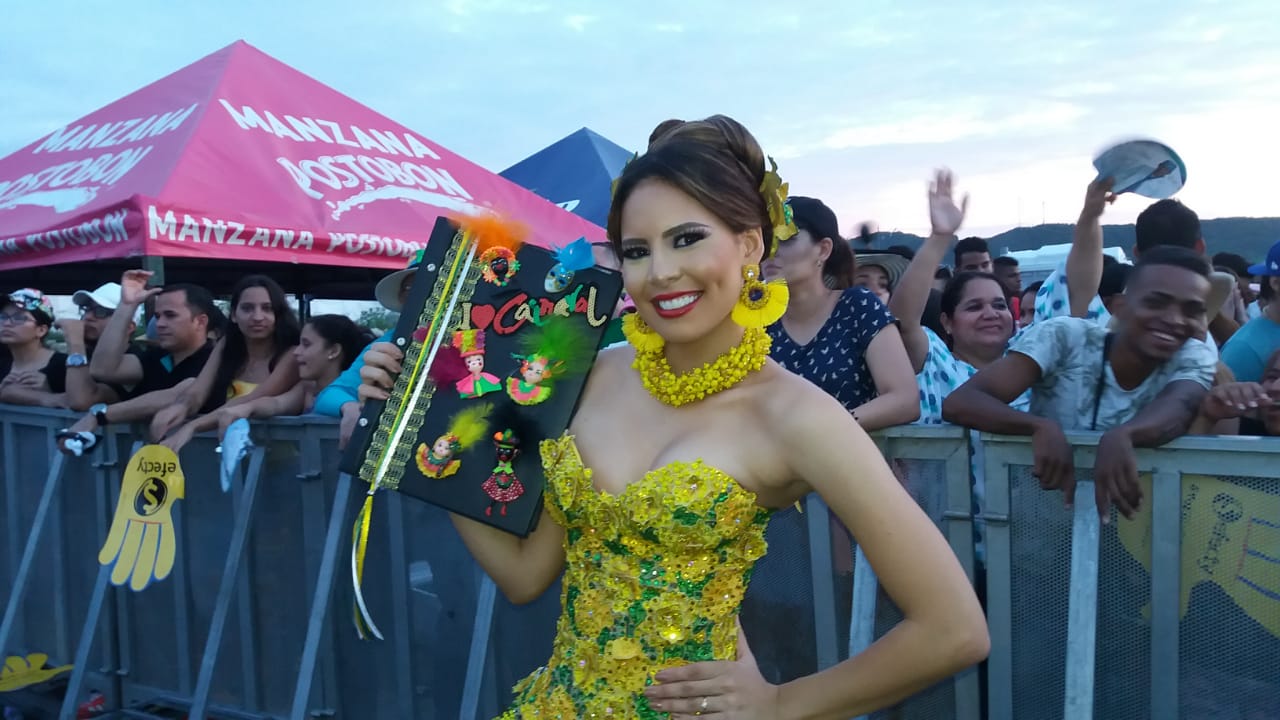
(155, 265)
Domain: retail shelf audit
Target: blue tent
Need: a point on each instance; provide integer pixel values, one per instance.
(575, 173)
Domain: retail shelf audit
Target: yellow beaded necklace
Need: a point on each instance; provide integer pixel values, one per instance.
(724, 372)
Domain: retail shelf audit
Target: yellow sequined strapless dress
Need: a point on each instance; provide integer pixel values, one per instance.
(653, 579)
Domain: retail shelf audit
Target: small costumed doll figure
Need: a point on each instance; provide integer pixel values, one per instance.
(528, 389)
(477, 383)
(465, 429)
(552, 351)
(503, 486)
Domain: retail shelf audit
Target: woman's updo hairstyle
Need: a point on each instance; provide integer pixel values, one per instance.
(715, 161)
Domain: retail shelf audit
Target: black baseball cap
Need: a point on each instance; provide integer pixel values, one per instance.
(813, 215)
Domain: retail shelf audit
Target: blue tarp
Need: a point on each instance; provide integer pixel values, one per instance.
(575, 173)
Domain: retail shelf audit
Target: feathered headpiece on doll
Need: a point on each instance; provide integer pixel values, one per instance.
(570, 259)
(555, 349)
(467, 427)
(448, 366)
(497, 240)
(469, 342)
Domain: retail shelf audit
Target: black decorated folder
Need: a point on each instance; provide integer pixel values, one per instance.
(463, 431)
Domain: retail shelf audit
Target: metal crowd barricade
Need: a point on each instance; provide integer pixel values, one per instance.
(933, 464)
(1175, 614)
(255, 621)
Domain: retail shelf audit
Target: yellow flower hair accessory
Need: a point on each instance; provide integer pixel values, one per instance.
(640, 335)
(775, 199)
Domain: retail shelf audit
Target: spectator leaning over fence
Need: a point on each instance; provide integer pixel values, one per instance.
(254, 359)
(37, 375)
(1073, 288)
(339, 398)
(1141, 384)
(182, 315)
(156, 374)
(1246, 352)
(327, 346)
(976, 318)
(81, 335)
(974, 312)
(1243, 408)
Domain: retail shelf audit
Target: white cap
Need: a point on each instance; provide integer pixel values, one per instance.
(106, 296)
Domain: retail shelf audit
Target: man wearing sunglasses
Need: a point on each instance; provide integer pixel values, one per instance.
(96, 307)
(82, 334)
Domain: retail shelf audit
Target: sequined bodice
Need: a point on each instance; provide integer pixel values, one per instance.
(654, 579)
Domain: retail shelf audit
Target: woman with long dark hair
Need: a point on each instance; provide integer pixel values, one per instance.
(682, 446)
(253, 359)
(328, 345)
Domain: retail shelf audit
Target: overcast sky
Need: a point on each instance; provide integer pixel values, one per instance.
(857, 100)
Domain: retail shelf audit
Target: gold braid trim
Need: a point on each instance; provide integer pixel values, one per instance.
(402, 454)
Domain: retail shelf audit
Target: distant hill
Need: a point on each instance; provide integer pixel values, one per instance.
(1250, 237)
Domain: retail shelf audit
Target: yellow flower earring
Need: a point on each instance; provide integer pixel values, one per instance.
(760, 304)
(640, 335)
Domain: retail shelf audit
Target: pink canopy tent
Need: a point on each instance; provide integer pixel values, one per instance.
(239, 157)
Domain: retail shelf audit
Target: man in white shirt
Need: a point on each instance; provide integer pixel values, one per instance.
(1141, 383)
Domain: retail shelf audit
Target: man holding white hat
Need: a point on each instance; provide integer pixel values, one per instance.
(96, 307)
(82, 334)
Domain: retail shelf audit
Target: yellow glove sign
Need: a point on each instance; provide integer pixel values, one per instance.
(1230, 537)
(19, 672)
(142, 543)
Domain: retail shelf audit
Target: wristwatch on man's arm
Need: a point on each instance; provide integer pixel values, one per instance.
(99, 413)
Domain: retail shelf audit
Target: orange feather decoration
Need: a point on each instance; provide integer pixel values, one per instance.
(490, 230)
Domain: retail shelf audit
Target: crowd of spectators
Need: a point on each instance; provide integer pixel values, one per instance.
(1131, 350)
(1178, 342)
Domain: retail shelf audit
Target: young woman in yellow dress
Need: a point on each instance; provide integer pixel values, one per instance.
(684, 442)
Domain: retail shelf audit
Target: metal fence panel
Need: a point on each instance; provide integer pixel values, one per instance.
(934, 469)
(1217, 646)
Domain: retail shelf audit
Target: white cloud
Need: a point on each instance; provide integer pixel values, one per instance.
(578, 23)
(940, 124)
(669, 28)
(1082, 89)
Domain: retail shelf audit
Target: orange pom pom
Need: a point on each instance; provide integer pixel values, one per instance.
(491, 230)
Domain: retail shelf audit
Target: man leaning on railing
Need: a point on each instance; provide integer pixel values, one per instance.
(1141, 384)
